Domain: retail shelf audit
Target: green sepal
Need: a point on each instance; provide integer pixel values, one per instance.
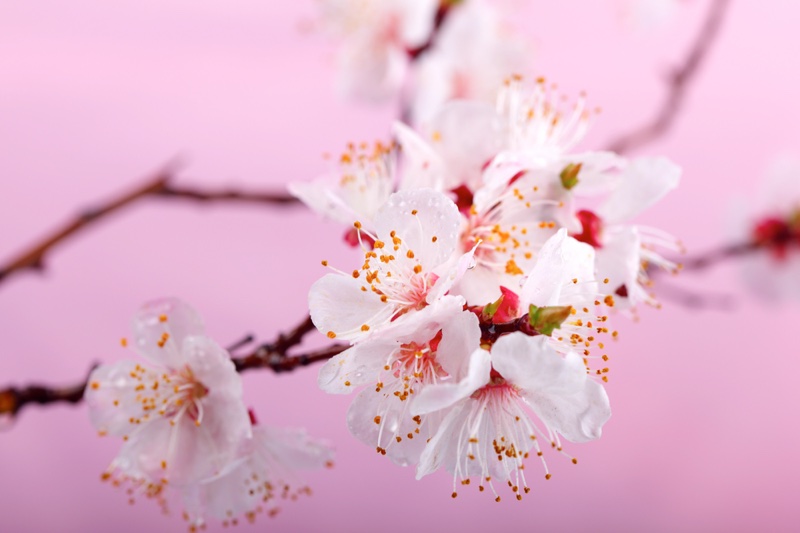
(545, 320)
(569, 176)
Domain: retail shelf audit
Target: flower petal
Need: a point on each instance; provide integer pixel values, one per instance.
(111, 397)
(160, 327)
(561, 261)
(338, 305)
(444, 395)
(643, 183)
(557, 388)
(364, 362)
(427, 221)
(422, 166)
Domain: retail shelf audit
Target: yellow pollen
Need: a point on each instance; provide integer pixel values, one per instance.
(324, 263)
(162, 318)
(95, 385)
(123, 342)
(331, 335)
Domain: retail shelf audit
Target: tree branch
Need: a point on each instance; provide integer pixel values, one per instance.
(158, 185)
(272, 356)
(678, 84)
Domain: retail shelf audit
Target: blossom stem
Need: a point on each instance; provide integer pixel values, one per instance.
(158, 185)
(678, 83)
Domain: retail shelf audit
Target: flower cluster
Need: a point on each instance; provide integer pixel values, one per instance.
(434, 50)
(487, 276)
(184, 425)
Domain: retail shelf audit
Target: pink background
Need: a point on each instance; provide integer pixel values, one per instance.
(94, 95)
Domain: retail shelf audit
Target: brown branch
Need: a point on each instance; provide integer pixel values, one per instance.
(272, 356)
(158, 185)
(679, 82)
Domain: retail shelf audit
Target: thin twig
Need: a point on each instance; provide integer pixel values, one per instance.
(679, 82)
(158, 185)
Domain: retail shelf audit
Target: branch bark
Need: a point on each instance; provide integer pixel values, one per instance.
(156, 186)
(679, 82)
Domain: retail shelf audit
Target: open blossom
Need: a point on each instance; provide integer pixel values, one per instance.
(488, 432)
(512, 215)
(624, 251)
(365, 177)
(409, 267)
(268, 475)
(474, 51)
(179, 410)
(376, 36)
(770, 219)
(396, 365)
(361, 184)
(564, 275)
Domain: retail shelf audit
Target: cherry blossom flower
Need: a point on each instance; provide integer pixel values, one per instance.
(474, 51)
(428, 348)
(367, 175)
(487, 431)
(564, 275)
(268, 475)
(510, 218)
(625, 251)
(376, 36)
(770, 219)
(363, 181)
(179, 410)
(409, 267)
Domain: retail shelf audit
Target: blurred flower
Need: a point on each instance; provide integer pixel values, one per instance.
(646, 15)
(267, 475)
(376, 36)
(770, 219)
(474, 51)
(180, 412)
(365, 178)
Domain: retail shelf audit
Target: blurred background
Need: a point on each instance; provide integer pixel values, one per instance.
(96, 95)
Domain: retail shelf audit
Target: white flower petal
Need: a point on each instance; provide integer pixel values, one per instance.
(436, 216)
(557, 388)
(422, 166)
(111, 397)
(364, 362)
(467, 135)
(378, 418)
(618, 260)
(337, 304)
(643, 183)
(371, 68)
(212, 366)
(160, 327)
(320, 198)
(560, 262)
(441, 396)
